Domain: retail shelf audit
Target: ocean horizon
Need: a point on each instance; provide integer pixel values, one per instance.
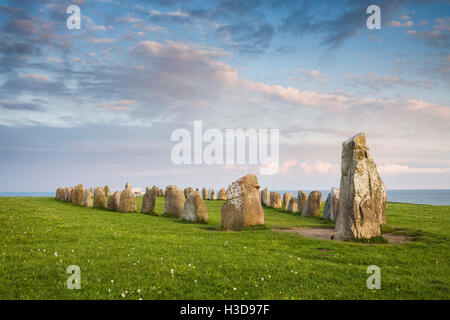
(439, 197)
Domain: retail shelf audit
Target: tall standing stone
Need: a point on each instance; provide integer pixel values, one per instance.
(326, 208)
(149, 200)
(293, 205)
(188, 191)
(99, 198)
(87, 199)
(77, 196)
(332, 205)
(362, 198)
(243, 207)
(162, 192)
(194, 208)
(275, 200)
(114, 201)
(127, 199)
(205, 193)
(222, 194)
(302, 198)
(107, 190)
(286, 198)
(265, 197)
(312, 208)
(174, 202)
(213, 195)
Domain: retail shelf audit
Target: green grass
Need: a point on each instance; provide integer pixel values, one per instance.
(138, 251)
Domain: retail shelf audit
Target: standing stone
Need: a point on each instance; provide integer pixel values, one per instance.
(362, 198)
(149, 200)
(162, 192)
(302, 198)
(77, 196)
(265, 197)
(69, 198)
(156, 188)
(87, 199)
(187, 191)
(174, 202)
(66, 194)
(326, 208)
(58, 194)
(127, 200)
(243, 207)
(114, 201)
(213, 195)
(286, 198)
(222, 194)
(195, 209)
(312, 208)
(330, 210)
(205, 193)
(99, 198)
(107, 190)
(275, 199)
(293, 205)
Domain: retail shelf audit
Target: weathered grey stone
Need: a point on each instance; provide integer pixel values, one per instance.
(77, 195)
(114, 201)
(69, 198)
(188, 191)
(87, 199)
(334, 203)
(174, 202)
(149, 200)
(362, 198)
(275, 199)
(205, 193)
(222, 194)
(286, 198)
(293, 205)
(127, 199)
(107, 190)
(265, 197)
(243, 207)
(99, 198)
(194, 208)
(212, 195)
(312, 208)
(302, 198)
(162, 192)
(326, 208)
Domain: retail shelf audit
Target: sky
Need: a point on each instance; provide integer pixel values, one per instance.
(98, 105)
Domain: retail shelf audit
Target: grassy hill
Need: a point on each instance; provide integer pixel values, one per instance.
(132, 255)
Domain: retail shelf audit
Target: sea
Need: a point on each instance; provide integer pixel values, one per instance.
(440, 197)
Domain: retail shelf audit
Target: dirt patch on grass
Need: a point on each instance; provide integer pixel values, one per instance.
(397, 238)
(326, 234)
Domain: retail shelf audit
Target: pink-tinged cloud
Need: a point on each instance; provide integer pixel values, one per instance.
(393, 169)
(120, 105)
(399, 24)
(36, 76)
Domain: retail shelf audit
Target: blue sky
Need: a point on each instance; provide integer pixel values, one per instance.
(98, 105)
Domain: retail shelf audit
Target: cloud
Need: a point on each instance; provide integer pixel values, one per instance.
(248, 38)
(11, 105)
(35, 76)
(399, 24)
(101, 40)
(117, 105)
(394, 169)
(439, 36)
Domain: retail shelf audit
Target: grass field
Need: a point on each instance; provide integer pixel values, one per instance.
(132, 255)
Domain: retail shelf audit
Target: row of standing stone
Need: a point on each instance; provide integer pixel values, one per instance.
(358, 206)
(304, 204)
